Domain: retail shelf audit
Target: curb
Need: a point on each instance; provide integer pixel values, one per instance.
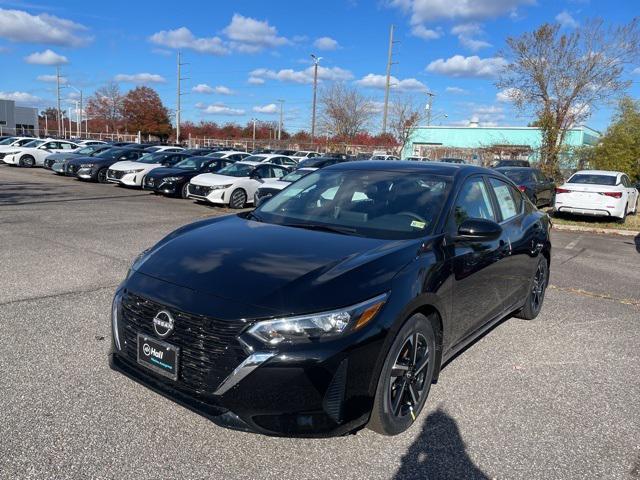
(609, 231)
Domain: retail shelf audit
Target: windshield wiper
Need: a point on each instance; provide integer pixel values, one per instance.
(253, 216)
(322, 228)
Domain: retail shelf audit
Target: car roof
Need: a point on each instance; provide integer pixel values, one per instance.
(250, 162)
(598, 172)
(435, 168)
(515, 169)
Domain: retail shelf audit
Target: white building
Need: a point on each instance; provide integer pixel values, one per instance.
(18, 120)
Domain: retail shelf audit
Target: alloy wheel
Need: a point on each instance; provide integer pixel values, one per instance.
(102, 176)
(408, 376)
(537, 289)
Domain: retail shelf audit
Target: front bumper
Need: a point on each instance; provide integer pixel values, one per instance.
(158, 185)
(10, 159)
(206, 194)
(315, 390)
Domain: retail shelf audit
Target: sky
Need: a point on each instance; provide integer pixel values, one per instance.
(242, 57)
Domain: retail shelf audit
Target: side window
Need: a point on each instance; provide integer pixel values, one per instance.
(509, 202)
(213, 166)
(50, 146)
(263, 171)
(132, 155)
(625, 181)
(473, 202)
(66, 146)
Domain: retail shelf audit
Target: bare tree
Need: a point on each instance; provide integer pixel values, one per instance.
(562, 77)
(345, 111)
(405, 115)
(105, 106)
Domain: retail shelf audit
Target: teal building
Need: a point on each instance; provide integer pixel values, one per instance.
(482, 145)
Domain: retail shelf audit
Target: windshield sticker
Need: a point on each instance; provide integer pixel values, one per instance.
(417, 224)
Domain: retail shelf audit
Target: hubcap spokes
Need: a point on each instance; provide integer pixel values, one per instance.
(537, 290)
(408, 375)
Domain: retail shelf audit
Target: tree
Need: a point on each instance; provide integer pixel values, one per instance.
(345, 112)
(619, 148)
(562, 77)
(405, 115)
(104, 107)
(144, 112)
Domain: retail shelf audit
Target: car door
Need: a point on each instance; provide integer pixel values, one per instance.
(477, 297)
(516, 265)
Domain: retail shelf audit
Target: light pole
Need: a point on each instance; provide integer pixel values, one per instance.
(79, 125)
(254, 133)
(280, 124)
(70, 130)
(316, 61)
(46, 125)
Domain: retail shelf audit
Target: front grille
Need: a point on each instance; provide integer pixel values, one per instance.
(209, 349)
(200, 190)
(115, 174)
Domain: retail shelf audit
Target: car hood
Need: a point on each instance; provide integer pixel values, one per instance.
(277, 185)
(129, 165)
(284, 269)
(211, 179)
(170, 172)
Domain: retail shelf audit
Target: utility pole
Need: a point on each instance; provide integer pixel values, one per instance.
(78, 122)
(178, 95)
(58, 95)
(70, 129)
(388, 82)
(80, 119)
(316, 61)
(46, 125)
(429, 107)
(280, 124)
(254, 133)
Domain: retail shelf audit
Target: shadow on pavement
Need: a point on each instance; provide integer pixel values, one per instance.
(637, 240)
(438, 453)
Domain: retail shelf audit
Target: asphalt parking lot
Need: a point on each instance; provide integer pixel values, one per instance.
(557, 397)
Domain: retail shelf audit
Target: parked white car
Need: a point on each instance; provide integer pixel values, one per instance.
(86, 143)
(384, 157)
(597, 193)
(163, 148)
(418, 159)
(276, 159)
(268, 190)
(232, 155)
(131, 173)
(304, 154)
(32, 154)
(11, 144)
(234, 185)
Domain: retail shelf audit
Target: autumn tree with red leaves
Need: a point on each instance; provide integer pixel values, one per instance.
(144, 112)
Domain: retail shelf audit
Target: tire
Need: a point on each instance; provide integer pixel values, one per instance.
(102, 175)
(393, 414)
(27, 161)
(183, 191)
(624, 215)
(238, 198)
(535, 297)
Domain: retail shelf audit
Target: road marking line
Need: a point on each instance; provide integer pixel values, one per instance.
(571, 245)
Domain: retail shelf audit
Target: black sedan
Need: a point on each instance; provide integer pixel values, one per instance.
(174, 181)
(533, 183)
(335, 304)
(95, 168)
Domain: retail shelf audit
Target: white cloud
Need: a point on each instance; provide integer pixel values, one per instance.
(183, 38)
(222, 90)
(219, 109)
(270, 108)
(51, 79)
(467, 33)
(20, 26)
(48, 57)
(139, 78)
(379, 81)
(326, 43)
(456, 90)
(425, 33)
(507, 95)
(429, 10)
(474, 66)
(20, 97)
(565, 19)
(255, 80)
(202, 88)
(249, 35)
(300, 76)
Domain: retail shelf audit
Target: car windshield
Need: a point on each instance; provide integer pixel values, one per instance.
(153, 157)
(33, 143)
(87, 150)
(593, 179)
(237, 170)
(8, 141)
(191, 163)
(110, 153)
(378, 204)
(255, 158)
(518, 176)
(215, 155)
(297, 175)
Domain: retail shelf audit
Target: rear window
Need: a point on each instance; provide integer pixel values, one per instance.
(518, 177)
(590, 179)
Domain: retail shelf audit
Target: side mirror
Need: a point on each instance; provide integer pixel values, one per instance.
(255, 176)
(479, 229)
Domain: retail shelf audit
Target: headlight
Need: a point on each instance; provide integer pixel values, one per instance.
(170, 179)
(220, 187)
(115, 316)
(126, 172)
(86, 165)
(12, 153)
(317, 325)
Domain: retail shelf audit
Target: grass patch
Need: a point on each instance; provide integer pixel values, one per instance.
(632, 222)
